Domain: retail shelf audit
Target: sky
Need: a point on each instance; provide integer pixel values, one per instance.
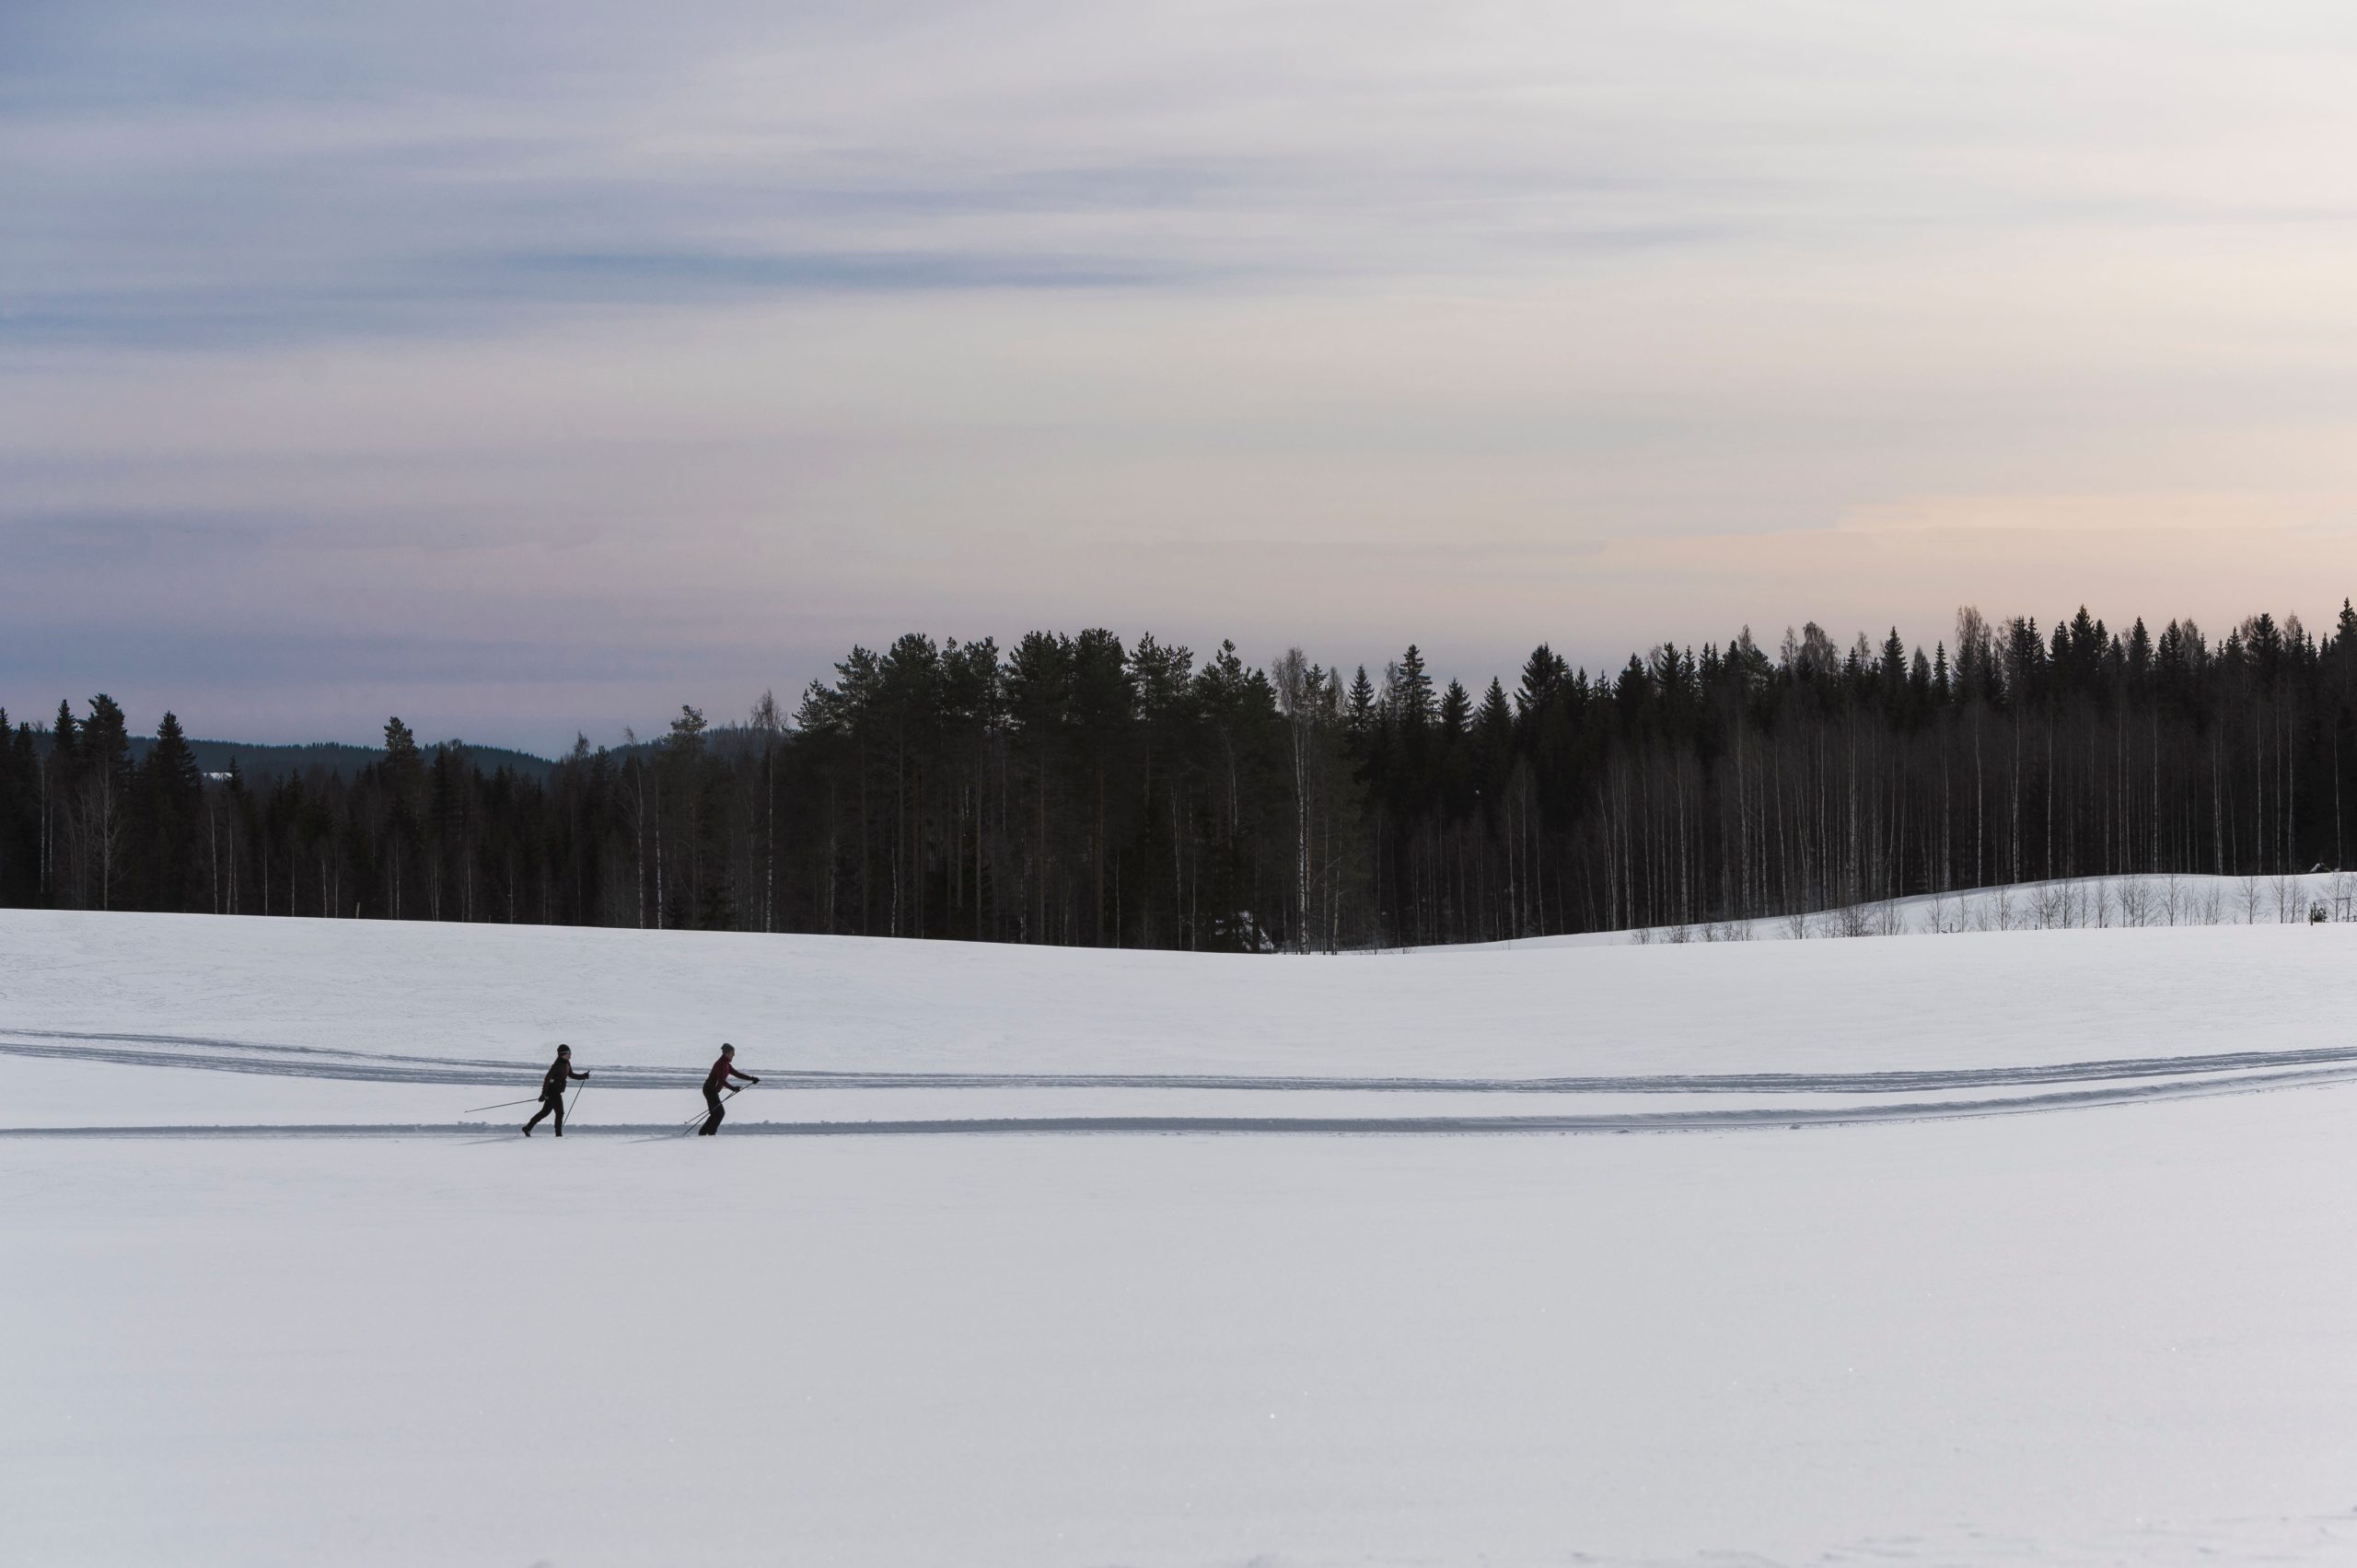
(534, 368)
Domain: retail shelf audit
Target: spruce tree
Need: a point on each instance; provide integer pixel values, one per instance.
(1359, 711)
(170, 801)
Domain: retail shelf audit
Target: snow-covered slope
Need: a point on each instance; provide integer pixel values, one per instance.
(1970, 1250)
(500, 997)
(2078, 904)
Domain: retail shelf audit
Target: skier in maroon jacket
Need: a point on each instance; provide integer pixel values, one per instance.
(713, 1081)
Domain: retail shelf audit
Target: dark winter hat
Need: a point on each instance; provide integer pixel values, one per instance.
(727, 1050)
(565, 1050)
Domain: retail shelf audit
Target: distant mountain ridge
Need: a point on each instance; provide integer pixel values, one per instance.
(259, 762)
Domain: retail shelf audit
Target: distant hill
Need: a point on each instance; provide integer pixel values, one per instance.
(260, 764)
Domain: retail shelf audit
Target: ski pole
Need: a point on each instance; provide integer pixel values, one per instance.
(578, 1090)
(503, 1105)
(726, 1095)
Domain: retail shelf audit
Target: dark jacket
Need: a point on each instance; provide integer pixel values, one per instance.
(720, 1075)
(552, 1086)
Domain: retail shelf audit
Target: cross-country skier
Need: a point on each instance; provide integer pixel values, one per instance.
(553, 1091)
(713, 1081)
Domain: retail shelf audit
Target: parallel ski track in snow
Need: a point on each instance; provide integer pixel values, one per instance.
(2141, 1083)
(219, 1055)
(1759, 1118)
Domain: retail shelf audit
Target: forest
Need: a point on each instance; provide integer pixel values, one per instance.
(1078, 790)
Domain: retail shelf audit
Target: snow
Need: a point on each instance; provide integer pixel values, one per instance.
(1958, 1320)
(2127, 902)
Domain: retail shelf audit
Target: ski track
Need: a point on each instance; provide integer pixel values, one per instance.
(221, 1055)
(2119, 1081)
(1748, 1117)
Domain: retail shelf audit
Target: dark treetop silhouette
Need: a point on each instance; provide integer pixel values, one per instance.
(1075, 790)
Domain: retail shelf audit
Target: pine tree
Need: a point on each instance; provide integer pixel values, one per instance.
(170, 799)
(1104, 699)
(403, 775)
(103, 809)
(1361, 712)
(1038, 681)
(1411, 692)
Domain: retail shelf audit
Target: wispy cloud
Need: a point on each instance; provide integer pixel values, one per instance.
(682, 346)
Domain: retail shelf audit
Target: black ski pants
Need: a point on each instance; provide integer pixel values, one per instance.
(548, 1107)
(712, 1122)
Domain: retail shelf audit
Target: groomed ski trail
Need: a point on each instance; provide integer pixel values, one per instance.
(219, 1055)
(1745, 1119)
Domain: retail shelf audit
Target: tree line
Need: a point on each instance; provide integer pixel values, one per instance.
(1079, 790)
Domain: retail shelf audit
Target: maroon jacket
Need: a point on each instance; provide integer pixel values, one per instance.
(720, 1075)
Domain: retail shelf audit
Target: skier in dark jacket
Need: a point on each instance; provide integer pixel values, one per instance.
(713, 1081)
(552, 1090)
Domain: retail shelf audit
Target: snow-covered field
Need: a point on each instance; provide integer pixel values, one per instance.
(2025, 1247)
